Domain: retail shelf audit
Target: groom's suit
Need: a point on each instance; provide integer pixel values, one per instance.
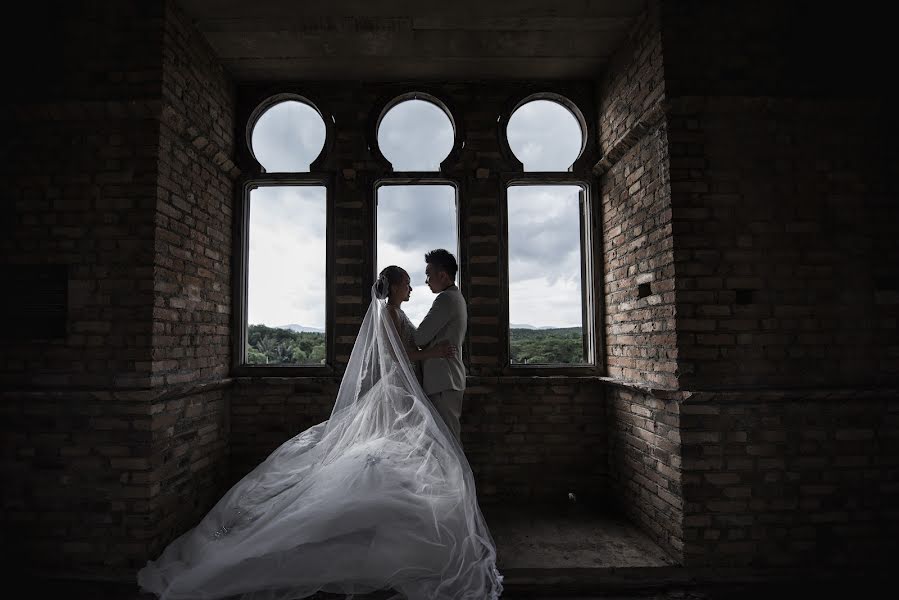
(444, 378)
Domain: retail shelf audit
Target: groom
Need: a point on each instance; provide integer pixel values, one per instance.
(444, 378)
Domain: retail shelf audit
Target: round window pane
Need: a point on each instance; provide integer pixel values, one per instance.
(288, 137)
(416, 135)
(545, 136)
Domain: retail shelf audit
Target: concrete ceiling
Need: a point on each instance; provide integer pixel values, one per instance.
(394, 40)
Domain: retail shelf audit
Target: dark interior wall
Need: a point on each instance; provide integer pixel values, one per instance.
(80, 163)
(80, 166)
(783, 203)
(105, 449)
(783, 198)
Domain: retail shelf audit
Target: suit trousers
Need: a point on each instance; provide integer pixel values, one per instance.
(449, 404)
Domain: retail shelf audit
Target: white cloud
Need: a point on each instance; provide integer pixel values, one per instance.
(287, 256)
(545, 136)
(415, 135)
(545, 255)
(288, 137)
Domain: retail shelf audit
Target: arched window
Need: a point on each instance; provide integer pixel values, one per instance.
(545, 135)
(287, 136)
(415, 134)
(284, 271)
(548, 237)
(417, 211)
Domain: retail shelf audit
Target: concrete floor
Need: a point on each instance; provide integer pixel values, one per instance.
(548, 538)
(570, 554)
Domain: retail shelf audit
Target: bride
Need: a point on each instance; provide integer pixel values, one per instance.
(379, 496)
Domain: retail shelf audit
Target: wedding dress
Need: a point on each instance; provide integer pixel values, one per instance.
(379, 496)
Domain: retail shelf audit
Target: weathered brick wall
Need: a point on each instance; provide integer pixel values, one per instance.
(266, 412)
(783, 198)
(645, 462)
(782, 205)
(97, 476)
(195, 193)
(192, 281)
(783, 213)
(633, 84)
(189, 462)
(790, 478)
(636, 231)
(527, 439)
(76, 479)
(79, 166)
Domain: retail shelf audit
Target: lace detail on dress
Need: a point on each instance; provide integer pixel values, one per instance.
(407, 337)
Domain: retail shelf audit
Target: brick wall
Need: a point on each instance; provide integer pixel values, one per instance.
(645, 462)
(192, 281)
(782, 201)
(782, 197)
(189, 461)
(527, 439)
(636, 234)
(79, 165)
(776, 479)
(783, 214)
(75, 474)
(195, 193)
(266, 412)
(99, 476)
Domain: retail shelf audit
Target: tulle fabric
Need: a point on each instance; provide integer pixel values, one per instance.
(380, 496)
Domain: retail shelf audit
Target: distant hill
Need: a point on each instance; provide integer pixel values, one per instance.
(301, 328)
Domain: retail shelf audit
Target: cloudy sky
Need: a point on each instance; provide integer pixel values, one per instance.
(287, 224)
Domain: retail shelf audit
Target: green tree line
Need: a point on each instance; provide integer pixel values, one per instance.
(547, 346)
(274, 346)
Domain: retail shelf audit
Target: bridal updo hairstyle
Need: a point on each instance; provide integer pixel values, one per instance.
(389, 276)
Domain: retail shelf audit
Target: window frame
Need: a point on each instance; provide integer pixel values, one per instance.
(428, 178)
(588, 283)
(579, 174)
(239, 366)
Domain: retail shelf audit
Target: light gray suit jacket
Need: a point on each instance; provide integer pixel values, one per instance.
(447, 320)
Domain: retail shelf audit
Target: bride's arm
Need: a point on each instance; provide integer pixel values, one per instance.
(442, 350)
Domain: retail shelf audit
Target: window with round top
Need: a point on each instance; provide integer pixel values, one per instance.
(416, 134)
(287, 136)
(546, 135)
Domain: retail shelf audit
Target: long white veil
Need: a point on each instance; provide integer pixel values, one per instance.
(379, 496)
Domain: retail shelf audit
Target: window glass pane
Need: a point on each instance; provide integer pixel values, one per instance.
(415, 135)
(545, 287)
(288, 137)
(545, 136)
(412, 220)
(286, 275)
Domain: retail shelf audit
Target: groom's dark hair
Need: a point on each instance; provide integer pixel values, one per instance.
(443, 260)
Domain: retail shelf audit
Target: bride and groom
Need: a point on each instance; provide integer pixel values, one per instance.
(379, 496)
